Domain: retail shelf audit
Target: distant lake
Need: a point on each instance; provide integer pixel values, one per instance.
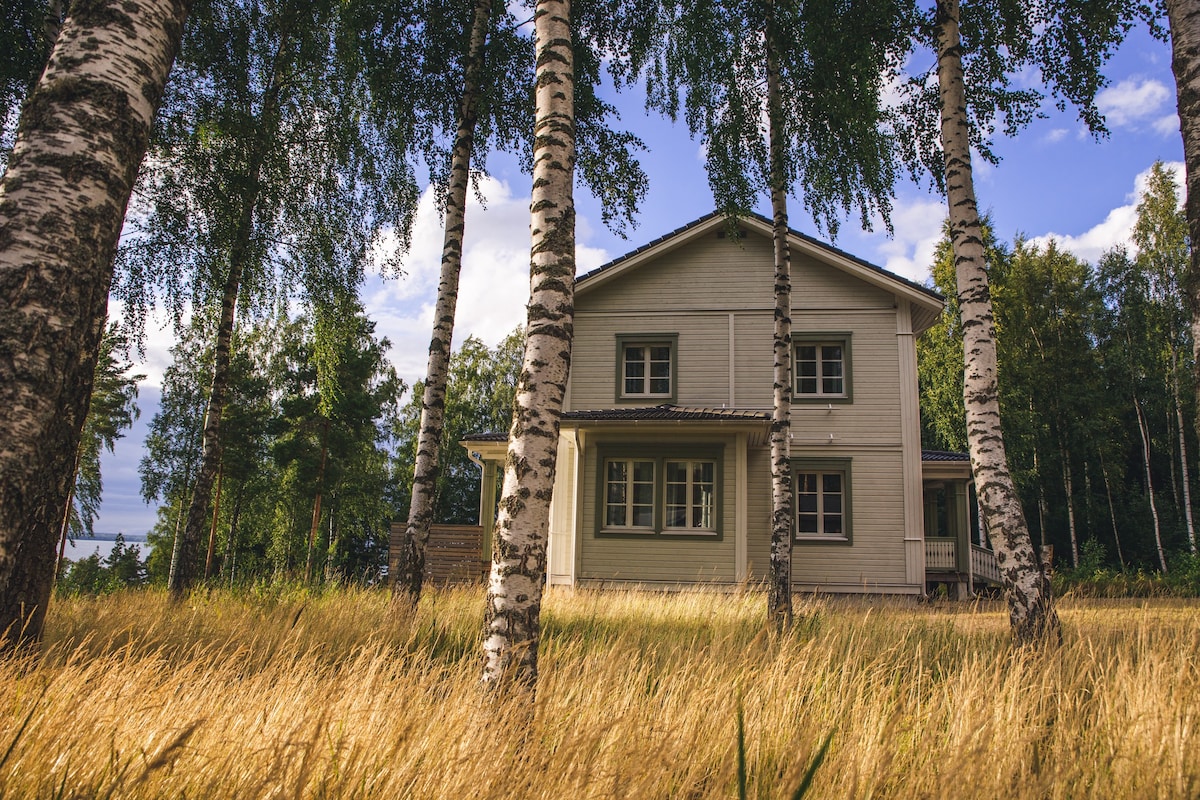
(103, 543)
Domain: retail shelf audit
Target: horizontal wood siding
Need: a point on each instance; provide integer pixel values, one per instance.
(702, 362)
(876, 556)
(758, 513)
(657, 558)
(708, 273)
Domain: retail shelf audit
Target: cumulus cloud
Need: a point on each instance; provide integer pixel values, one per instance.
(1116, 227)
(918, 227)
(1056, 135)
(493, 287)
(1133, 102)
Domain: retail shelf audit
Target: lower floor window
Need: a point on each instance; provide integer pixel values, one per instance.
(691, 494)
(629, 494)
(675, 493)
(822, 500)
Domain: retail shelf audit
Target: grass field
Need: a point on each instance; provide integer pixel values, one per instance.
(282, 693)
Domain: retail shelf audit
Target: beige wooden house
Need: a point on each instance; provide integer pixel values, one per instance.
(663, 463)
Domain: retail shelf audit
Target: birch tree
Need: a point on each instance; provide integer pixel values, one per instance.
(81, 138)
(1026, 584)
(786, 97)
(433, 401)
(270, 173)
(512, 619)
(1183, 17)
(1160, 234)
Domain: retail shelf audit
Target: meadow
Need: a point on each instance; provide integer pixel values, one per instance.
(287, 693)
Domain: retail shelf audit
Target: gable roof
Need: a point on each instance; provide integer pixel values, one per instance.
(927, 304)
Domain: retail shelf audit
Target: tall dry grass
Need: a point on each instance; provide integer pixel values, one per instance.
(289, 694)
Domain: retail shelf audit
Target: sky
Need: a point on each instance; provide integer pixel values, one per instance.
(1054, 180)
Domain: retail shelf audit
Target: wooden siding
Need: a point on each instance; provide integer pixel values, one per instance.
(702, 361)
(758, 522)
(665, 559)
(874, 561)
(454, 553)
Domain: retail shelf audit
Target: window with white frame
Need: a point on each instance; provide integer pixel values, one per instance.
(674, 491)
(821, 367)
(691, 495)
(646, 367)
(629, 493)
(822, 500)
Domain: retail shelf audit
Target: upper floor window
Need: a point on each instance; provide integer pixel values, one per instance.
(821, 366)
(646, 367)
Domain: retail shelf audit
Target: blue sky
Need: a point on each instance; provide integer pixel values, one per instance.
(1054, 180)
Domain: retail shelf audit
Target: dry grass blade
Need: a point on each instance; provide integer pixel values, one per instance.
(640, 696)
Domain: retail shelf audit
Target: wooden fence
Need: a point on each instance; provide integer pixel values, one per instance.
(454, 553)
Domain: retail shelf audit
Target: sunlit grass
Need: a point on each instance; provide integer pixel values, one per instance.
(286, 693)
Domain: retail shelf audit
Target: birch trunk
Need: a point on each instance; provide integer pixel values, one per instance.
(433, 402)
(315, 524)
(1069, 483)
(183, 563)
(212, 529)
(1143, 429)
(779, 598)
(1183, 455)
(1026, 587)
(82, 136)
(1184, 19)
(1112, 512)
(512, 620)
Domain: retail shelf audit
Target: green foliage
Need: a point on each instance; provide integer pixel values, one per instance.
(267, 152)
(122, 569)
(835, 59)
(111, 412)
(24, 48)
(480, 388)
(1065, 43)
(1077, 348)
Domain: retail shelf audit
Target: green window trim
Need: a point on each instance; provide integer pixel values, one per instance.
(820, 340)
(661, 456)
(821, 467)
(648, 366)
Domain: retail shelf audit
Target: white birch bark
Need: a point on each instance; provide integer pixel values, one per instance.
(779, 597)
(1144, 430)
(1026, 587)
(81, 139)
(1184, 19)
(512, 623)
(433, 401)
(1069, 483)
(1183, 454)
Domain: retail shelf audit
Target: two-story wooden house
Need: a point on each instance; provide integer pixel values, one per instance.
(663, 469)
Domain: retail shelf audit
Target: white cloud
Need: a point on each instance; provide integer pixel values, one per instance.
(1132, 102)
(918, 227)
(1117, 225)
(1167, 125)
(493, 286)
(1056, 135)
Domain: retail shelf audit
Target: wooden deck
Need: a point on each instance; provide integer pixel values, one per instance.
(454, 553)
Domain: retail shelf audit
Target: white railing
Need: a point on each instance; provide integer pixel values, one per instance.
(983, 564)
(939, 554)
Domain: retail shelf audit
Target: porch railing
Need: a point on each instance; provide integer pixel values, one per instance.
(983, 564)
(939, 554)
